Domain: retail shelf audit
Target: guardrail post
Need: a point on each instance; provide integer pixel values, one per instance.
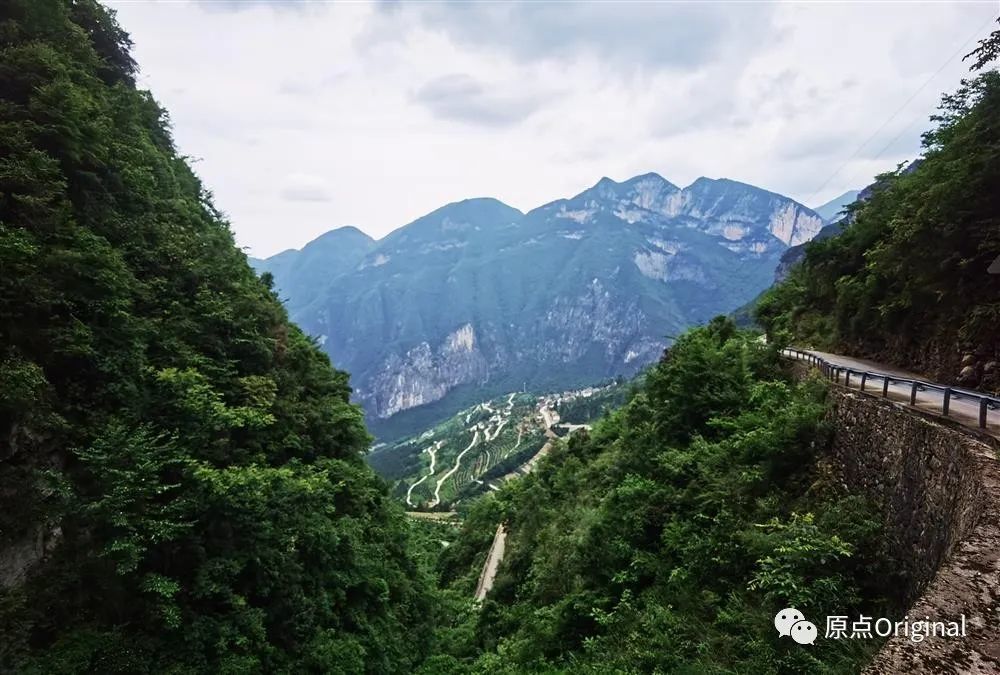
(913, 394)
(847, 377)
(885, 387)
(864, 378)
(947, 402)
(982, 413)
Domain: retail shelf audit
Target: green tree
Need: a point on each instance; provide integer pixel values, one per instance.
(907, 281)
(180, 471)
(665, 539)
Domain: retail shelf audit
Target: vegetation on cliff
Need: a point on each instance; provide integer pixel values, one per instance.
(667, 538)
(181, 488)
(908, 281)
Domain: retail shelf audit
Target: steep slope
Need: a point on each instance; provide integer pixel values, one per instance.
(794, 254)
(181, 487)
(908, 281)
(741, 213)
(663, 539)
(842, 215)
(406, 318)
(478, 295)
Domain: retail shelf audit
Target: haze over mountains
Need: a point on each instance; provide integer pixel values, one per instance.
(478, 298)
(833, 210)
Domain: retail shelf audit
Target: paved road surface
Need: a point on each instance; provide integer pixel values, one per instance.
(458, 463)
(492, 564)
(963, 410)
(430, 472)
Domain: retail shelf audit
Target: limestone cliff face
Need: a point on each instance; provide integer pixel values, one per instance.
(575, 291)
(592, 324)
(424, 374)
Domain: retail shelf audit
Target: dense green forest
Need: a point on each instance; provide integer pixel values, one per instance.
(908, 282)
(181, 481)
(181, 488)
(667, 538)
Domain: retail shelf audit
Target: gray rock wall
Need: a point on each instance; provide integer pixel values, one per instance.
(938, 487)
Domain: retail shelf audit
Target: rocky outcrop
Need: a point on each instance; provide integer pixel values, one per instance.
(594, 323)
(833, 225)
(18, 557)
(424, 374)
(572, 292)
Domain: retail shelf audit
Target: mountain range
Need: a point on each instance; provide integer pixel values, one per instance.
(478, 298)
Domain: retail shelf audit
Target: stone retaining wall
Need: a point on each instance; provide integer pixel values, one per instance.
(938, 487)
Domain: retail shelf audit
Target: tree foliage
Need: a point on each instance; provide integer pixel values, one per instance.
(667, 538)
(986, 52)
(908, 280)
(180, 482)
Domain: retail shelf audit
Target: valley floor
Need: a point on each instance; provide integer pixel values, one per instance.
(483, 446)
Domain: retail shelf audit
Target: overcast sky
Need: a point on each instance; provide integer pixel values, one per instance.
(306, 117)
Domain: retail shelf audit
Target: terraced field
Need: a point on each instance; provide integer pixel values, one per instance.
(481, 446)
(461, 453)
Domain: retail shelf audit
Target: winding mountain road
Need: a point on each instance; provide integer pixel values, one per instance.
(458, 463)
(432, 450)
(497, 548)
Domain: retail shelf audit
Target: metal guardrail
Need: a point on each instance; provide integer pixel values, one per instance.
(834, 371)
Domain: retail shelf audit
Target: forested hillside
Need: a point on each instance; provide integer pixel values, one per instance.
(476, 298)
(180, 482)
(909, 281)
(666, 539)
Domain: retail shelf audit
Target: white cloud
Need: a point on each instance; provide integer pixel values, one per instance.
(359, 114)
(300, 187)
(462, 98)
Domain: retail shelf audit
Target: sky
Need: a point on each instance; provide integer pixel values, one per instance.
(303, 117)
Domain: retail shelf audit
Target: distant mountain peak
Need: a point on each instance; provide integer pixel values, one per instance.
(481, 201)
(639, 189)
(345, 232)
(704, 182)
(604, 189)
(349, 229)
(833, 210)
(476, 211)
(650, 177)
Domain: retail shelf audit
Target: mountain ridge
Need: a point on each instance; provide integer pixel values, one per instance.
(582, 288)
